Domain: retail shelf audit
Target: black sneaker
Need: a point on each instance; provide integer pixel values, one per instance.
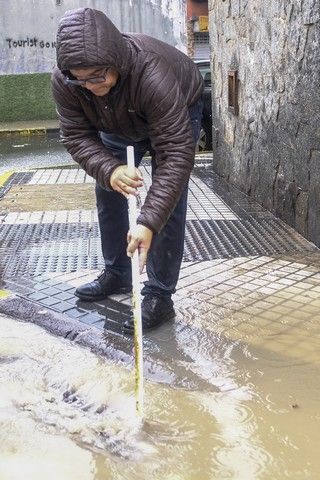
(104, 285)
(155, 311)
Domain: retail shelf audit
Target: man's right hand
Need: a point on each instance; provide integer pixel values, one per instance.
(126, 182)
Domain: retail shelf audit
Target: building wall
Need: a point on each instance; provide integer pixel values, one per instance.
(197, 31)
(27, 42)
(271, 149)
(194, 9)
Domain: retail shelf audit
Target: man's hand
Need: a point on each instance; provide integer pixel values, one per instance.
(140, 238)
(124, 181)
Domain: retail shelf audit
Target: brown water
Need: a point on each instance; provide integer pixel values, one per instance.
(248, 409)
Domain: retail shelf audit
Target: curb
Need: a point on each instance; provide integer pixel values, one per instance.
(27, 132)
(61, 325)
(114, 347)
(4, 177)
(4, 294)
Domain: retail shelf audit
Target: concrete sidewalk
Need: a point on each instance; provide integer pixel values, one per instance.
(243, 268)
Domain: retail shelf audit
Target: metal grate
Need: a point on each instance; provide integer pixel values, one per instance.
(222, 222)
(40, 248)
(209, 239)
(30, 250)
(16, 178)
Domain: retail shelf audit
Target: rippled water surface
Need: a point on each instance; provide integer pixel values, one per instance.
(240, 410)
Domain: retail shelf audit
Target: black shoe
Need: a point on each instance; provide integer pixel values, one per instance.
(106, 284)
(155, 310)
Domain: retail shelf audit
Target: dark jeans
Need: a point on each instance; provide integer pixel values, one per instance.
(165, 254)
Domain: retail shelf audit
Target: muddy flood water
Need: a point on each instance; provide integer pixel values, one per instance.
(32, 151)
(67, 414)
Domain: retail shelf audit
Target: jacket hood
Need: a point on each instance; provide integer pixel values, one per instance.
(87, 38)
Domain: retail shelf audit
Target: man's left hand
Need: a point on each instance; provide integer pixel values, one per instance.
(140, 238)
(126, 182)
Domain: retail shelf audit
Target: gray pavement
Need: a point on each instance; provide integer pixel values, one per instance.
(242, 266)
(23, 146)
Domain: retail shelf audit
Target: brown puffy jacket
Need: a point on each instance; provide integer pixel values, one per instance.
(157, 84)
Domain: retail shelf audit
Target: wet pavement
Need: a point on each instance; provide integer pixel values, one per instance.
(243, 352)
(21, 151)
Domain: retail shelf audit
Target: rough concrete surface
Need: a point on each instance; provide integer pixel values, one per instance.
(33, 198)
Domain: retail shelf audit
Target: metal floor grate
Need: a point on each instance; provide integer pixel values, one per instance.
(16, 178)
(222, 222)
(30, 250)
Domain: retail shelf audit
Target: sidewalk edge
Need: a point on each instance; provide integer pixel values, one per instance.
(27, 132)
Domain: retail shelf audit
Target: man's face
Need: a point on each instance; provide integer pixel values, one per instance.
(100, 89)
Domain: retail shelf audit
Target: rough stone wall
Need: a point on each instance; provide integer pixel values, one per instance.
(190, 39)
(271, 150)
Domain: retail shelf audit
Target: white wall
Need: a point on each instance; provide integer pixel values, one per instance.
(28, 27)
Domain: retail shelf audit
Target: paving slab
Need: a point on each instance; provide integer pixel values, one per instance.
(241, 264)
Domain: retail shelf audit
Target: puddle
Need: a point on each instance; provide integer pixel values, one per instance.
(32, 152)
(66, 413)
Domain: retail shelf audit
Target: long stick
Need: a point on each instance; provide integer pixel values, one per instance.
(136, 298)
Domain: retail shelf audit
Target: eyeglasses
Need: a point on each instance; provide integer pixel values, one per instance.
(95, 80)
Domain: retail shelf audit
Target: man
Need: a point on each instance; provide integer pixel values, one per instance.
(115, 89)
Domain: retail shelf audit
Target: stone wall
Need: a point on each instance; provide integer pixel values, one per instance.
(271, 149)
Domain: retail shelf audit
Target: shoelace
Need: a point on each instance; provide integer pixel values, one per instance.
(102, 275)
